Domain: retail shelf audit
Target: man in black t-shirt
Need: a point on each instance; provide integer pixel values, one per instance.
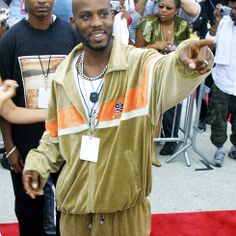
(30, 53)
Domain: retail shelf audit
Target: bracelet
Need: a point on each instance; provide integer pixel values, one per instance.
(12, 150)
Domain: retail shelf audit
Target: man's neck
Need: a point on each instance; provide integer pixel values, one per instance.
(98, 57)
(40, 23)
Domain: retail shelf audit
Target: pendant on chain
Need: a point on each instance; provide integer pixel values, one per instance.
(94, 97)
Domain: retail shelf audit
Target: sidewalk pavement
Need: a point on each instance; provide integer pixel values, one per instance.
(176, 187)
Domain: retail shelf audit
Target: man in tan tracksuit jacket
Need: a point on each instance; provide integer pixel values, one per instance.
(107, 194)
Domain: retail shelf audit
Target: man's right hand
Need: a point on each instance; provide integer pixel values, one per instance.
(31, 182)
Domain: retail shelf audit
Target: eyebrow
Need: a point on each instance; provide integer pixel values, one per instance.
(99, 10)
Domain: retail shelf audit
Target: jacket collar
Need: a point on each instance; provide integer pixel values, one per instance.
(64, 74)
(116, 62)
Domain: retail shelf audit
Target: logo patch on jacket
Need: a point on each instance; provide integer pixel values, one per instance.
(118, 110)
(119, 107)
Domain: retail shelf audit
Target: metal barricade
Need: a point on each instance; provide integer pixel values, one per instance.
(196, 131)
(187, 140)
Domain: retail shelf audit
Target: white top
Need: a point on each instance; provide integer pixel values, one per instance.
(224, 72)
(85, 88)
(120, 28)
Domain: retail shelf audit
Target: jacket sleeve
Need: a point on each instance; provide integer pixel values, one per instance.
(46, 158)
(172, 83)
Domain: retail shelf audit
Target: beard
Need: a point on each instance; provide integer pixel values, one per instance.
(87, 43)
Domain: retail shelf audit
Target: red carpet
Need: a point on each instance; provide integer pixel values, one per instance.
(213, 223)
(10, 229)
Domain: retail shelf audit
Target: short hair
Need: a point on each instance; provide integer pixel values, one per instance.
(74, 2)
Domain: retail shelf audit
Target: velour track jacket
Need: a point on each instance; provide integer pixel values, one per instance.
(139, 85)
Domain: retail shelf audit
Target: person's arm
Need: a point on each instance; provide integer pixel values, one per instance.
(3, 29)
(190, 7)
(7, 90)
(14, 158)
(177, 74)
(14, 114)
(140, 43)
(7, 47)
(140, 6)
(20, 115)
(11, 112)
(197, 56)
(218, 17)
(47, 157)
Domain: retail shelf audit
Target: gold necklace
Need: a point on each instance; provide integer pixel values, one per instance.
(167, 34)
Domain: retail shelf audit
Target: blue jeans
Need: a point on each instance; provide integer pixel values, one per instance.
(49, 209)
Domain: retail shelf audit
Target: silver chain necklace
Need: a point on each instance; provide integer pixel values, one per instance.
(80, 67)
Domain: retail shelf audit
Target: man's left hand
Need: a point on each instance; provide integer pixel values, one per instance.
(197, 56)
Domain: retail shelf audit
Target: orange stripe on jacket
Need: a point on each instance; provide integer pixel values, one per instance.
(108, 111)
(51, 127)
(135, 98)
(69, 117)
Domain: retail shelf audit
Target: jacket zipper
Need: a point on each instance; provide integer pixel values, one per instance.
(91, 186)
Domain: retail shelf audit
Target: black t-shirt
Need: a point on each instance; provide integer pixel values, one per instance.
(26, 55)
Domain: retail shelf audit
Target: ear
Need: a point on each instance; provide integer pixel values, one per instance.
(72, 22)
(113, 14)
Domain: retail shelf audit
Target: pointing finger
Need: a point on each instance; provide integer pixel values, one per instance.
(204, 42)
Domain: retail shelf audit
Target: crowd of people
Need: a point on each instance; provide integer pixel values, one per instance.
(82, 116)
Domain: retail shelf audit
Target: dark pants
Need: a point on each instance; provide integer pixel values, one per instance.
(221, 105)
(167, 122)
(29, 212)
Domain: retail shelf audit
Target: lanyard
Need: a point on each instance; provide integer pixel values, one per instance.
(94, 97)
(46, 72)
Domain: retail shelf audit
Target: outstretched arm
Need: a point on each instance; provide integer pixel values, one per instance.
(177, 74)
(20, 115)
(11, 112)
